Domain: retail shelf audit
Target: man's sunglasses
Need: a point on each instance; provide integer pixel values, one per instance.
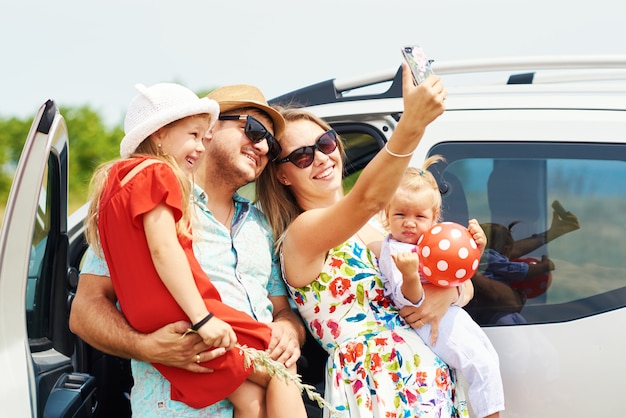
(303, 157)
(256, 132)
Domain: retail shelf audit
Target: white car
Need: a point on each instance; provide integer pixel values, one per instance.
(517, 135)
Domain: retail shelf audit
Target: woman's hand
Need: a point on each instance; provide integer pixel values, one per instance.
(436, 304)
(561, 226)
(422, 103)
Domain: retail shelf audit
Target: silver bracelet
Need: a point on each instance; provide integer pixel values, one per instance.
(393, 154)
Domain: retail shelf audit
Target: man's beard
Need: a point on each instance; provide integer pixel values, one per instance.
(226, 168)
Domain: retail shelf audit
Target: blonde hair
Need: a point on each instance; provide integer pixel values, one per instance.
(276, 199)
(99, 182)
(417, 179)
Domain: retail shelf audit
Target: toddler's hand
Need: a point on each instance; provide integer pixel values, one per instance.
(408, 264)
(476, 231)
(547, 263)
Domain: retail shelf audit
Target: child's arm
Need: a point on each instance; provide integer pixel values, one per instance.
(408, 264)
(172, 266)
(544, 266)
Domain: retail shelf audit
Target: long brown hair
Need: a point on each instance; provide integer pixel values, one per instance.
(100, 179)
(276, 199)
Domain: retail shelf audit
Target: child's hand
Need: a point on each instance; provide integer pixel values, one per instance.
(408, 264)
(478, 234)
(547, 264)
(217, 333)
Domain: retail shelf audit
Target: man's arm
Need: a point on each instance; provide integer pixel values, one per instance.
(95, 318)
(288, 333)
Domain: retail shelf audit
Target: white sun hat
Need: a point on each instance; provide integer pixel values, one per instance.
(158, 105)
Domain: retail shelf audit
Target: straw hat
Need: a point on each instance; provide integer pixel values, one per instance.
(158, 105)
(239, 96)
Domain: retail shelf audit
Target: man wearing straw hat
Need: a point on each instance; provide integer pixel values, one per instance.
(234, 247)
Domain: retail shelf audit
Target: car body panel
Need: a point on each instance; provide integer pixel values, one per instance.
(33, 255)
(15, 248)
(567, 369)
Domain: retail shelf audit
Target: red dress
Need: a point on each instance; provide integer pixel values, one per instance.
(144, 299)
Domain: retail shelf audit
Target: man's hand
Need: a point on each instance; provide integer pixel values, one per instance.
(287, 332)
(284, 346)
(168, 346)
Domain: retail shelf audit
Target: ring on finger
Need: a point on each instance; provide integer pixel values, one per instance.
(197, 358)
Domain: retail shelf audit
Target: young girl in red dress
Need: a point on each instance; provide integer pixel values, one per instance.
(140, 220)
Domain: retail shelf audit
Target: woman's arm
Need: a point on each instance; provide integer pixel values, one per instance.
(376, 185)
(492, 294)
(559, 226)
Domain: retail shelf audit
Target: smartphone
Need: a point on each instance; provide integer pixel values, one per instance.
(420, 65)
(559, 209)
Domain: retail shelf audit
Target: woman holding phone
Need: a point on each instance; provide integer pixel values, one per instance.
(377, 365)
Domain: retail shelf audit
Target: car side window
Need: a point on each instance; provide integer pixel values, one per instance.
(36, 287)
(361, 144)
(516, 185)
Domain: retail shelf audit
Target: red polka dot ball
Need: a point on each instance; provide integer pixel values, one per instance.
(534, 286)
(448, 254)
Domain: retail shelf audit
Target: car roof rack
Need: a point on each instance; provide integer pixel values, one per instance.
(569, 69)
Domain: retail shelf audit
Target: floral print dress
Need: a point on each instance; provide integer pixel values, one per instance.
(377, 366)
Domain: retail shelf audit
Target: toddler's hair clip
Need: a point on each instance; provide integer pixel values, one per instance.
(421, 172)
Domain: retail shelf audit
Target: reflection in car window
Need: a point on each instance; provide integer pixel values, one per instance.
(359, 149)
(42, 229)
(505, 183)
(36, 321)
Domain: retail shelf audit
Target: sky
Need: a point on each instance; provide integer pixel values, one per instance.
(81, 52)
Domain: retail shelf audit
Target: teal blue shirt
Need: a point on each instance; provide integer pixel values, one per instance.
(243, 267)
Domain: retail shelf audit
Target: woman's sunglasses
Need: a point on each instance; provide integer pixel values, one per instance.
(256, 132)
(303, 157)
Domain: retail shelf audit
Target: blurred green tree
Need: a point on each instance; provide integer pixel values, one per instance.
(91, 143)
(13, 132)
